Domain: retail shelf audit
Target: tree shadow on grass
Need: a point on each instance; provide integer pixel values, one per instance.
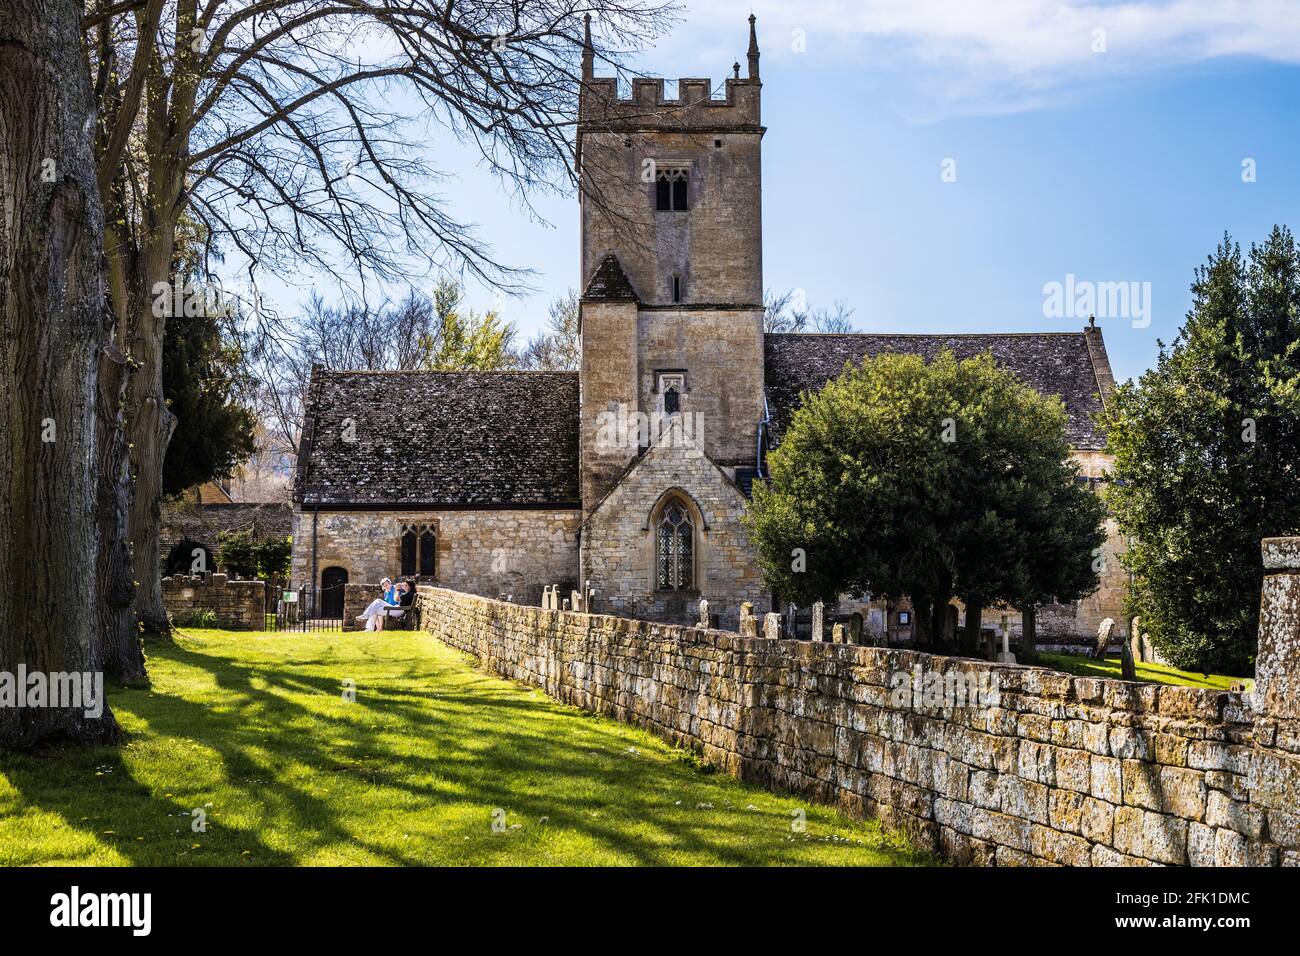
(445, 741)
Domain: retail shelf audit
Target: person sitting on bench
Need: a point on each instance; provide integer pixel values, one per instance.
(374, 612)
(405, 598)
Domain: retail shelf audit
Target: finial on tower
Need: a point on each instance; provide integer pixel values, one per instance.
(753, 48)
(588, 52)
(735, 70)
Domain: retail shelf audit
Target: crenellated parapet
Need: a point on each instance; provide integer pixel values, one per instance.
(695, 108)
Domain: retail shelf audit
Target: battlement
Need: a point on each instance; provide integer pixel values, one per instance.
(601, 109)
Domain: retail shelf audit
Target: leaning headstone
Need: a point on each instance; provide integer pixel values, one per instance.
(1126, 660)
(748, 623)
(1103, 638)
(703, 619)
(819, 621)
(837, 634)
(772, 626)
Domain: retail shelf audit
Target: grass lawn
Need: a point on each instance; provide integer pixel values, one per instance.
(254, 730)
(1154, 673)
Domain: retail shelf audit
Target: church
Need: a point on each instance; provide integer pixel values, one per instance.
(630, 475)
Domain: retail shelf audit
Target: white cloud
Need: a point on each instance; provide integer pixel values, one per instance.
(993, 55)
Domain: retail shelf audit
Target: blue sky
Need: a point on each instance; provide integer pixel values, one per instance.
(1102, 140)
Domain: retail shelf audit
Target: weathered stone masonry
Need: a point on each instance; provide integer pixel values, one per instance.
(1064, 770)
(237, 605)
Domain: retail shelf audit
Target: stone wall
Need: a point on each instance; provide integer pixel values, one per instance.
(720, 353)
(515, 552)
(238, 605)
(1051, 769)
(716, 247)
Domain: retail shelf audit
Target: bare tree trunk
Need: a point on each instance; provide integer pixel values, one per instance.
(123, 654)
(1028, 634)
(971, 634)
(922, 620)
(51, 336)
(150, 424)
(939, 626)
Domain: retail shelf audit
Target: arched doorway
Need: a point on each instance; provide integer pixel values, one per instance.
(332, 580)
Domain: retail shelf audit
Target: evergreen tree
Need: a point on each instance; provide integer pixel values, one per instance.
(1207, 457)
(203, 379)
(464, 340)
(926, 481)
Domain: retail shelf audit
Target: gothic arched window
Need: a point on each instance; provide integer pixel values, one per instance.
(675, 549)
(672, 400)
(670, 187)
(419, 551)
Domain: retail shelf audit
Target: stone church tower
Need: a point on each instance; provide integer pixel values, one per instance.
(633, 474)
(671, 315)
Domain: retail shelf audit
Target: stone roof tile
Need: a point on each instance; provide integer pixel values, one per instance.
(1054, 363)
(609, 281)
(440, 439)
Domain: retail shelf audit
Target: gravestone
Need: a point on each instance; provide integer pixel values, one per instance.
(792, 621)
(837, 634)
(703, 619)
(748, 623)
(1005, 656)
(988, 642)
(1126, 660)
(854, 629)
(819, 621)
(772, 626)
(1103, 638)
(566, 605)
(1134, 641)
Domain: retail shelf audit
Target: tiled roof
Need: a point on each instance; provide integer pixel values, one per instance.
(440, 439)
(1054, 363)
(609, 281)
(204, 522)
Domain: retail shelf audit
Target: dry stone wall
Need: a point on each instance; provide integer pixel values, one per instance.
(983, 763)
(237, 605)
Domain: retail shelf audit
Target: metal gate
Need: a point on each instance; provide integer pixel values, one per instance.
(305, 609)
